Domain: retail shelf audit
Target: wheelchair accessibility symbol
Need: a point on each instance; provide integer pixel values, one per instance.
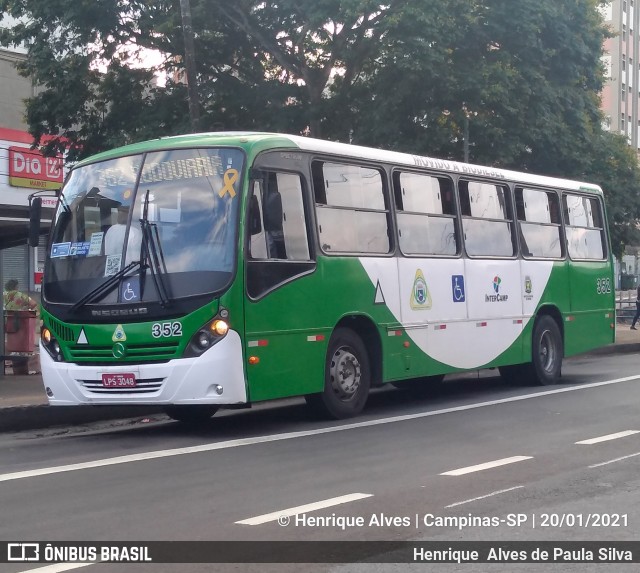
(457, 288)
(130, 290)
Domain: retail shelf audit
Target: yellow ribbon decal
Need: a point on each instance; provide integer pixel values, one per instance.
(230, 177)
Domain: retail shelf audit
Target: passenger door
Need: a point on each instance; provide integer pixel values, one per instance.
(280, 301)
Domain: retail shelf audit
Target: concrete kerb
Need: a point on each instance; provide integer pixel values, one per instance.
(36, 417)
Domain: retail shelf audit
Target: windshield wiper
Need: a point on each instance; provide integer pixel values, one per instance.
(152, 256)
(104, 288)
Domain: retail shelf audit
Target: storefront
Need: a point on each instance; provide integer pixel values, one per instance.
(24, 171)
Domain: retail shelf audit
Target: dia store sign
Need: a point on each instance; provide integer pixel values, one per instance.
(29, 168)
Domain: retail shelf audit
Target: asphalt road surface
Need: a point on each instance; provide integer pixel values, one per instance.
(480, 460)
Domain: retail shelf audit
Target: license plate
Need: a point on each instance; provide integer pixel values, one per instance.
(127, 380)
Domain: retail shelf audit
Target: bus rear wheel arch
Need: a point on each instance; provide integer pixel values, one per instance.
(347, 377)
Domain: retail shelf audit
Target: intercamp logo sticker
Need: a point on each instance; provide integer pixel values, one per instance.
(497, 297)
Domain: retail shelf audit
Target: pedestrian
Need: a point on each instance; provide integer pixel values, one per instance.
(637, 315)
(16, 300)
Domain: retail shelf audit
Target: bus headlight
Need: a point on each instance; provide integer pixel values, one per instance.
(206, 336)
(203, 340)
(51, 345)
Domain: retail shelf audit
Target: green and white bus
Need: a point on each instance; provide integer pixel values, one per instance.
(221, 269)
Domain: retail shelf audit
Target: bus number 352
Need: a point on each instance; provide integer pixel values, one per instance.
(163, 329)
(603, 286)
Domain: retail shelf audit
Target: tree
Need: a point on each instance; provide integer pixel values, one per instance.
(79, 54)
(515, 82)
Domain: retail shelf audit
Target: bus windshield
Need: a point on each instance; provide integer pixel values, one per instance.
(179, 207)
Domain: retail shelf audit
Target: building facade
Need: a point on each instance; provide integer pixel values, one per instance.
(22, 172)
(621, 59)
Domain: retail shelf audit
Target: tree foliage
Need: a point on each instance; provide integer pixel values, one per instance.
(519, 80)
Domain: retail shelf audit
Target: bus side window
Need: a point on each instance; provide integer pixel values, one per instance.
(280, 230)
(257, 239)
(273, 219)
(426, 214)
(584, 227)
(538, 223)
(487, 221)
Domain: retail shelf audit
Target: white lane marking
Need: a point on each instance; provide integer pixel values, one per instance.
(260, 519)
(293, 435)
(486, 466)
(483, 496)
(58, 567)
(609, 437)
(614, 461)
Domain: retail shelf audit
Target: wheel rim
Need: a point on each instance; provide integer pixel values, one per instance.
(345, 373)
(547, 351)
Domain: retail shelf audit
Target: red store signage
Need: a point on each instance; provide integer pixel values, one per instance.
(29, 168)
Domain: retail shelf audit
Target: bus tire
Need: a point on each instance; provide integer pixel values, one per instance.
(192, 415)
(546, 356)
(546, 351)
(347, 377)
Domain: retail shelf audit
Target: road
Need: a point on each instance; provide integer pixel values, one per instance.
(478, 448)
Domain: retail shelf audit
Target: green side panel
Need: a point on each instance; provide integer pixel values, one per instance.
(291, 326)
(590, 322)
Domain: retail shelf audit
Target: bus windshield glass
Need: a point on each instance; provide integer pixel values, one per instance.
(177, 206)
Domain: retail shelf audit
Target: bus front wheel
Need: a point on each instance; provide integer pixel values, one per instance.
(347, 377)
(193, 415)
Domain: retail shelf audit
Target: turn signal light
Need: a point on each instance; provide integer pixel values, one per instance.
(220, 327)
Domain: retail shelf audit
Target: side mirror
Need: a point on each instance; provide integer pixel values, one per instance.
(255, 226)
(35, 214)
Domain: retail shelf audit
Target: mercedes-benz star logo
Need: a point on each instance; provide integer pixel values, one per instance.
(119, 350)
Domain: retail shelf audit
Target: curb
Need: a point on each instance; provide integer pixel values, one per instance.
(20, 418)
(619, 348)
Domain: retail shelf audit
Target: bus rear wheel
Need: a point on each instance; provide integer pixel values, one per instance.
(347, 377)
(192, 415)
(547, 351)
(546, 356)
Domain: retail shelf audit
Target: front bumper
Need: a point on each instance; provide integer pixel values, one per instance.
(180, 381)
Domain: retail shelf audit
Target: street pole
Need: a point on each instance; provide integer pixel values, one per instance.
(466, 137)
(190, 65)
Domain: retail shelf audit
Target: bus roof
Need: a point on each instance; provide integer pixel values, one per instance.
(264, 140)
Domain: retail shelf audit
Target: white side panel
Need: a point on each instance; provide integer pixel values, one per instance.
(383, 272)
(493, 288)
(462, 312)
(535, 276)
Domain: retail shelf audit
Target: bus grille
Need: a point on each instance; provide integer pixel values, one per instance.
(140, 353)
(61, 331)
(143, 386)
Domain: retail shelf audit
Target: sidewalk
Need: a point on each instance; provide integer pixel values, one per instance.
(24, 405)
